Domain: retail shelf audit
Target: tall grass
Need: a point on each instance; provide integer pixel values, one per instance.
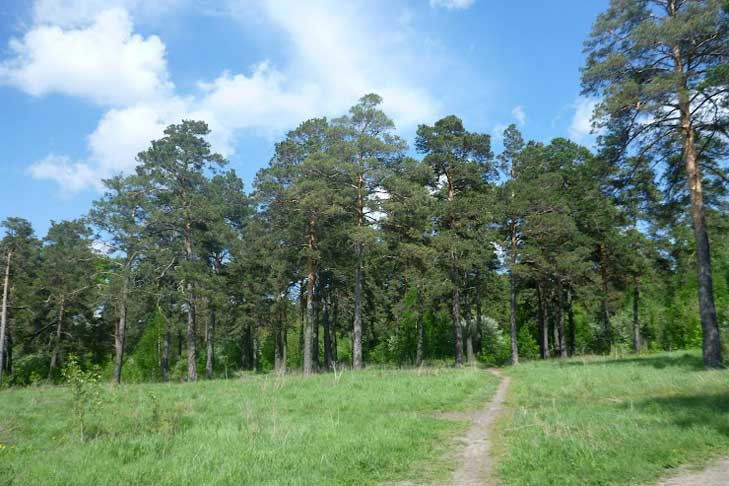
(612, 421)
(361, 428)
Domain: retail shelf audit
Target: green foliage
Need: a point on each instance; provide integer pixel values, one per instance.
(85, 391)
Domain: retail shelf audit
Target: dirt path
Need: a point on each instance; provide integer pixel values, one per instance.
(717, 474)
(475, 462)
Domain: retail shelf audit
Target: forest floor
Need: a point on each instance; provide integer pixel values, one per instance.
(614, 421)
(369, 427)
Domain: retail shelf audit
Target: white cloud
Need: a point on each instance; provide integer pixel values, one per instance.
(103, 61)
(451, 4)
(71, 176)
(519, 115)
(335, 54)
(581, 126)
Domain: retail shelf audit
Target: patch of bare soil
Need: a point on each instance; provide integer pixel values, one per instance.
(717, 474)
(475, 461)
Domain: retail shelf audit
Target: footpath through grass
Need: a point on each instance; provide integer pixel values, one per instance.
(367, 427)
(612, 422)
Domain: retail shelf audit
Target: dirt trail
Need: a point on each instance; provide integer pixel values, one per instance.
(717, 474)
(475, 462)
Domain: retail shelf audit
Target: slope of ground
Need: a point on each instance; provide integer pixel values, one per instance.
(363, 428)
(612, 421)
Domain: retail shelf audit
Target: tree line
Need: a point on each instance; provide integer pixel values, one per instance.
(351, 247)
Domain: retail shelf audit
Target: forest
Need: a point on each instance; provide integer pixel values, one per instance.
(354, 246)
(450, 306)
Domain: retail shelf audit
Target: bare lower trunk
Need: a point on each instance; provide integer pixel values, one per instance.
(255, 345)
(4, 313)
(419, 331)
(607, 334)
(278, 344)
(479, 315)
(512, 320)
(562, 334)
(357, 325)
(191, 318)
(57, 341)
(309, 321)
(328, 357)
(543, 336)
(636, 317)
(470, 358)
(210, 343)
(570, 322)
(191, 336)
(556, 317)
(457, 329)
(315, 339)
(165, 358)
(121, 333)
(707, 309)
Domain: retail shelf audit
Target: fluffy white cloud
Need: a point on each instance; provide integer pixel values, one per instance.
(451, 4)
(103, 61)
(335, 54)
(519, 115)
(581, 126)
(71, 176)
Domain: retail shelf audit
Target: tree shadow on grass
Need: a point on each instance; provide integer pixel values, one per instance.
(684, 360)
(689, 411)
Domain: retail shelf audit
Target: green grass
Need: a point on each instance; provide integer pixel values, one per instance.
(369, 427)
(612, 422)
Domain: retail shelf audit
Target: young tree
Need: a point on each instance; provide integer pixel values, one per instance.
(660, 66)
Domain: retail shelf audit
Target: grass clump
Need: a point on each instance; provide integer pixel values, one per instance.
(363, 428)
(612, 421)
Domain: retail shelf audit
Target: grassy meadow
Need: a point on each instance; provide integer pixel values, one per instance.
(360, 428)
(600, 421)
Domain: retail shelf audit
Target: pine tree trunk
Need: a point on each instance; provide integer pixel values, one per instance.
(357, 324)
(419, 331)
(165, 358)
(607, 336)
(309, 321)
(284, 348)
(315, 339)
(470, 359)
(457, 329)
(542, 322)
(556, 317)
(255, 348)
(571, 322)
(512, 299)
(57, 341)
(121, 332)
(328, 358)
(335, 320)
(4, 313)
(479, 319)
(562, 334)
(210, 342)
(8, 352)
(278, 338)
(707, 309)
(512, 320)
(191, 318)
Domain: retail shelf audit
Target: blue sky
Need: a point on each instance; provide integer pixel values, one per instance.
(86, 84)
